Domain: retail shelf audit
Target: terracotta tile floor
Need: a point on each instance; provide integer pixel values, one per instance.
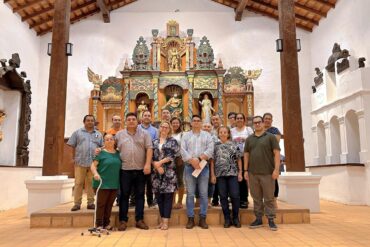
(336, 225)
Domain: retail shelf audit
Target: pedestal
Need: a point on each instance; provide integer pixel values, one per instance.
(301, 188)
(48, 191)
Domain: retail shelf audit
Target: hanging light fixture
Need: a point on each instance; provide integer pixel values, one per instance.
(69, 48)
(49, 49)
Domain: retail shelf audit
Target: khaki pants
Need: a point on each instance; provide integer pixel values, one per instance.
(83, 176)
(262, 189)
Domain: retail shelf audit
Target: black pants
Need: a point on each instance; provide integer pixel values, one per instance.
(243, 188)
(149, 190)
(228, 186)
(276, 192)
(104, 204)
(215, 197)
(132, 179)
(164, 201)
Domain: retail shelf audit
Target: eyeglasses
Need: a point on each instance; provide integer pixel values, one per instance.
(239, 118)
(164, 127)
(197, 121)
(259, 122)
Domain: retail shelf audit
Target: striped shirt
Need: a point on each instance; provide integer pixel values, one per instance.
(193, 145)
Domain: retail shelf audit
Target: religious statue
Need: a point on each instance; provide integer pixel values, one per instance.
(361, 62)
(173, 59)
(2, 118)
(95, 79)
(319, 78)
(207, 109)
(338, 53)
(174, 106)
(140, 110)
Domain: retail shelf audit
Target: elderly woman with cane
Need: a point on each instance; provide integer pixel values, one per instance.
(106, 169)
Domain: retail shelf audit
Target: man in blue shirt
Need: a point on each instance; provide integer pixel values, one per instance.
(196, 145)
(146, 121)
(84, 141)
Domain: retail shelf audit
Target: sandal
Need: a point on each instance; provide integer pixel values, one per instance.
(177, 206)
(165, 224)
(160, 224)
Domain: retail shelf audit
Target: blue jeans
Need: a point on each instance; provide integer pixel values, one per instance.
(229, 186)
(191, 183)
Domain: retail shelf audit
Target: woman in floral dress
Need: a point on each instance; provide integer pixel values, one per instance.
(165, 149)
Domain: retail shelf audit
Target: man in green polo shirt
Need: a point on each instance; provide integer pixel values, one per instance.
(261, 166)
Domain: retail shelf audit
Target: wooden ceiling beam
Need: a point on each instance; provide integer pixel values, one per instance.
(325, 2)
(240, 9)
(111, 4)
(311, 10)
(298, 16)
(29, 4)
(104, 10)
(77, 7)
(258, 11)
(43, 11)
(73, 20)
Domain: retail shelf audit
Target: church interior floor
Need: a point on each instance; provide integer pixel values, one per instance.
(336, 225)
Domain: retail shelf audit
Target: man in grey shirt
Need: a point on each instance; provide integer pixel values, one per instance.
(135, 146)
(196, 145)
(84, 141)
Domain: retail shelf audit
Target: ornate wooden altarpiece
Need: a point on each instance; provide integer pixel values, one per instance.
(10, 79)
(172, 74)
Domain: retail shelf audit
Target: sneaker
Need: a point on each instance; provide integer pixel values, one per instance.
(153, 205)
(141, 225)
(76, 207)
(256, 224)
(243, 204)
(190, 223)
(203, 223)
(272, 225)
(236, 223)
(215, 204)
(91, 206)
(227, 223)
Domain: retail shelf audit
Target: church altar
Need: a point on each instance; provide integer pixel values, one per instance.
(174, 74)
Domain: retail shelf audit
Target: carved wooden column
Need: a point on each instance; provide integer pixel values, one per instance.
(155, 96)
(190, 80)
(291, 101)
(220, 91)
(56, 106)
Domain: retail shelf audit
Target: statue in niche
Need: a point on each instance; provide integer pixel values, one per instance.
(2, 118)
(174, 106)
(173, 59)
(361, 62)
(319, 78)
(207, 109)
(140, 110)
(338, 53)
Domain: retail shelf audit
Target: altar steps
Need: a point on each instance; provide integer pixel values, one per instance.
(61, 216)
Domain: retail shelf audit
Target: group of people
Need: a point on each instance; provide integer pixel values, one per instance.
(215, 163)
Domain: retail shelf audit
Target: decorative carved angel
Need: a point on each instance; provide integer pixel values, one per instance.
(252, 74)
(95, 79)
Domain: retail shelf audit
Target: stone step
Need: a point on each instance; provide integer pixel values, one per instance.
(61, 216)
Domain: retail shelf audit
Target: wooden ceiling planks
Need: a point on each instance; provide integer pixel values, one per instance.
(308, 13)
(39, 13)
